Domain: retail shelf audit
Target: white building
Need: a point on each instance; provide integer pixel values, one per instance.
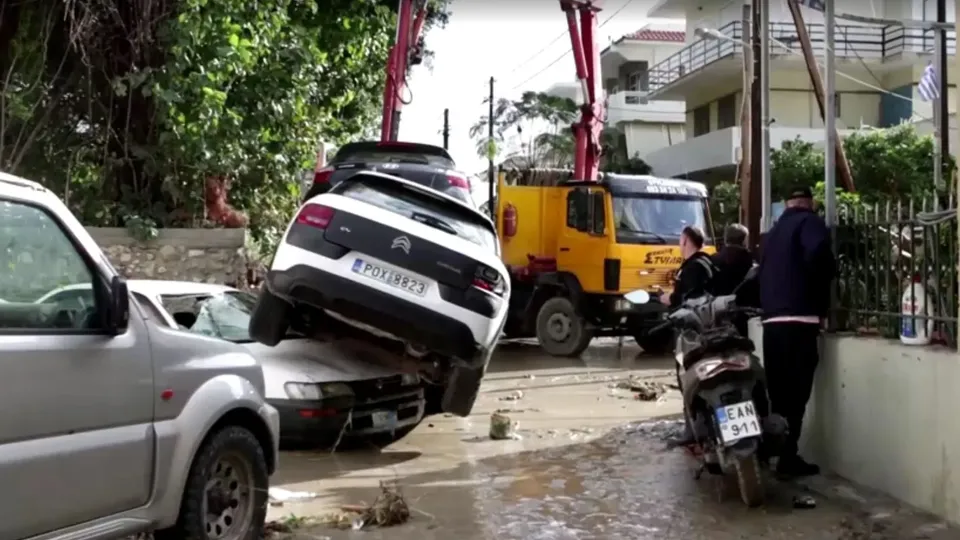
(707, 74)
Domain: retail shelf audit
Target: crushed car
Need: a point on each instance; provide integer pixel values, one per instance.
(326, 393)
(413, 270)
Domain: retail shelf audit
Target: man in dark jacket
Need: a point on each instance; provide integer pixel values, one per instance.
(733, 261)
(696, 272)
(796, 269)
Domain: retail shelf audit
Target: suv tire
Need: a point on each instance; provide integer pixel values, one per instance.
(270, 319)
(216, 473)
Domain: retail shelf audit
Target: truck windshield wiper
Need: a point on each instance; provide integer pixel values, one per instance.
(434, 222)
(659, 238)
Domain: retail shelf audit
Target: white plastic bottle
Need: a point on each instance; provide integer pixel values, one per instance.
(915, 302)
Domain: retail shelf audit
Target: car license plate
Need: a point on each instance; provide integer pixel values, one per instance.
(385, 419)
(737, 421)
(390, 277)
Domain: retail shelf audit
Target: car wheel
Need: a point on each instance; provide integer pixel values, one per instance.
(461, 390)
(270, 319)
(226, 491)
(562, 331)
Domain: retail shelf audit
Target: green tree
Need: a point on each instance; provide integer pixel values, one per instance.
(129, 112)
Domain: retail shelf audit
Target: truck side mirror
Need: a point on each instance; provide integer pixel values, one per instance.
(597, 214)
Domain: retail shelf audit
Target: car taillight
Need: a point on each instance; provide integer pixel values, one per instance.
(323, 175)
(488, 279)
(458, 181)
(316, 215)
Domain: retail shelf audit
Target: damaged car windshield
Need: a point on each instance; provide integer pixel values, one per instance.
(223, 315)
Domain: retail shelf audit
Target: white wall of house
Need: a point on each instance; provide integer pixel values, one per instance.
(644, 138)
(652, 52)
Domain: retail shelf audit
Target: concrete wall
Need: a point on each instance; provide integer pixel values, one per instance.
(885, 415)
(644, 138)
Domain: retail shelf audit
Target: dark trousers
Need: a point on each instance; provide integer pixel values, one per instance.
(790, 356)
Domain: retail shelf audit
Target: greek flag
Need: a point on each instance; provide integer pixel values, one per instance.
(812, 4)
(929, 87)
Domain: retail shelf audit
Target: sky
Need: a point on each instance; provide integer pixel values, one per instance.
(497, 38)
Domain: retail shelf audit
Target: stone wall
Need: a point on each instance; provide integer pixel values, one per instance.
(208, 255)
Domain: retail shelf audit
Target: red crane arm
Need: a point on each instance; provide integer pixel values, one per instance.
(409, 26)
(586, 55)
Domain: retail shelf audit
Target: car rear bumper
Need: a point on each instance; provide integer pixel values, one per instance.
(440, 333)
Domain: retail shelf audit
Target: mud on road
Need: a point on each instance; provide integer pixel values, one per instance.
(589, 462)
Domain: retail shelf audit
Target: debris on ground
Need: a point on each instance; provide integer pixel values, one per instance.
(502, 427)
(389, 509)
(513, 396)
(278, 496)
(804, 502)
(286, 525)
(646, 390)
(511, 410)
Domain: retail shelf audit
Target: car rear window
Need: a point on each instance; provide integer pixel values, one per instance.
(410, 203)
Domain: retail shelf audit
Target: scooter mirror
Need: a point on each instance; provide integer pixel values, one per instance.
(637, 297)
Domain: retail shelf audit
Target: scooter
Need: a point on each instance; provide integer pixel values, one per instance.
(723, 386)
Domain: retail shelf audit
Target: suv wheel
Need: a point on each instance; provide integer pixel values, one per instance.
(226, 492)
(270, 319)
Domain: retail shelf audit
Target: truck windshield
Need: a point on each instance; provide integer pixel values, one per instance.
(645, 219)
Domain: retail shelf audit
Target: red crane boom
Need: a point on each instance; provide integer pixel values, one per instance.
(404, 53)
(586, 55)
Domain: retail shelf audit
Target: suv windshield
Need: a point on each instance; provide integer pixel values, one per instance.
(224, 315)
(644, 219)
(409, 203)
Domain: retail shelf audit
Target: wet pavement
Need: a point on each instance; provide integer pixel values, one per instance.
(575, 472)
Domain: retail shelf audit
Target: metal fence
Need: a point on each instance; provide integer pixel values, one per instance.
(882, 249)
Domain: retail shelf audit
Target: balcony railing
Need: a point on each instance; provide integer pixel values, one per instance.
(854, 41)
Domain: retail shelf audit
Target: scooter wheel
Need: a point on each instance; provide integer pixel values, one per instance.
(750, 481)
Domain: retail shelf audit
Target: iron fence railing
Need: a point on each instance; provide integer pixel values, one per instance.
(850, 40)
(881, 250)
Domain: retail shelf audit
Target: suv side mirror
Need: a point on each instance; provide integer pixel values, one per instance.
(118, 317)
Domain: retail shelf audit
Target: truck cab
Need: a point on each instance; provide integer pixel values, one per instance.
(575, 248)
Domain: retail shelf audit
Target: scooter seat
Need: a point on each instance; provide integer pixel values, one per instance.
(717, 346)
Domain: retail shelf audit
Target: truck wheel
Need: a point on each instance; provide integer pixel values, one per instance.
(226, 491)
(270, 319)
(562, 331)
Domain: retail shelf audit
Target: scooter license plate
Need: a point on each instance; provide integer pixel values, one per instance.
(737, 421)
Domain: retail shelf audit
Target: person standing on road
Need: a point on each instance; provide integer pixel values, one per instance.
(796, 268)
(696, 271)
(733, 261)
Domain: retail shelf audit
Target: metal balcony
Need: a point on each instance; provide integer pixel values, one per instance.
(866, 43)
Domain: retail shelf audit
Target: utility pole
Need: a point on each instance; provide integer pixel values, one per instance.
(745, 116)
(446, 129)
(754, 195)
(765, 198)
(490, 172)
(841, 158)
(829, 120)
(942, 114)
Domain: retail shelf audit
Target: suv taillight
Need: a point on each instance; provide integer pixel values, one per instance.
(458, 181)
(316, 215)
(489, 280)
(323, 175)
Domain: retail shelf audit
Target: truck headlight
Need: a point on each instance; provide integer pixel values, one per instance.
(316, 391)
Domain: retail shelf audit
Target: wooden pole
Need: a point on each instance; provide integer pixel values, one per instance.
(846, 176)
(745, 157)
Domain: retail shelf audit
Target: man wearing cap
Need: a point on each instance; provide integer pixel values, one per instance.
(796, 268)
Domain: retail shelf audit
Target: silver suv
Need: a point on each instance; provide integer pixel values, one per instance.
(113, 423)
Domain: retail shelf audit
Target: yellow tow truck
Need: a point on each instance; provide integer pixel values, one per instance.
(575, 248)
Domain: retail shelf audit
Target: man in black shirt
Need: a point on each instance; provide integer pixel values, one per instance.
(696, 271)
(733, 261)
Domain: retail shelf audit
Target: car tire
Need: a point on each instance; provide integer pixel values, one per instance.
(560, 311)
(232, 464)
(270, 319)
(461, 390)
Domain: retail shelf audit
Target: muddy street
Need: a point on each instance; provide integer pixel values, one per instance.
(587, 460)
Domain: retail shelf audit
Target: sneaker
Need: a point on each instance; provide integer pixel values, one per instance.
(795, 466)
